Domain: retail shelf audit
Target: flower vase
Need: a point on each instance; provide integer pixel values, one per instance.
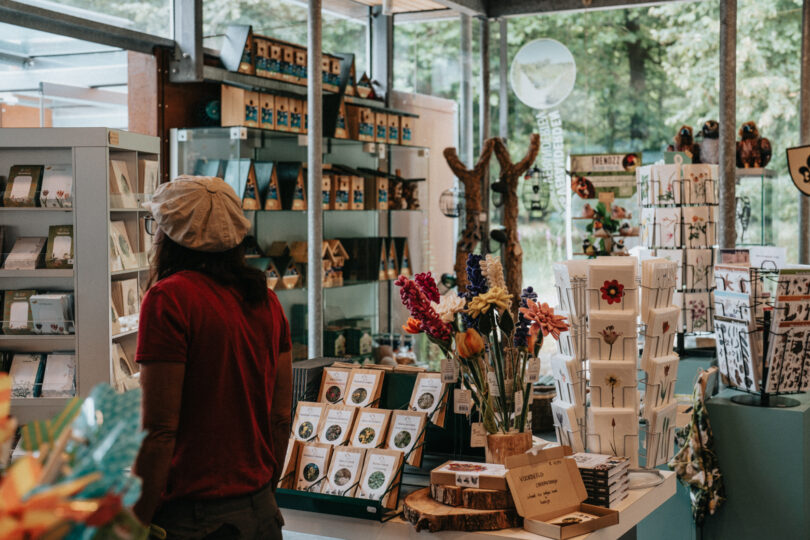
(502, 445)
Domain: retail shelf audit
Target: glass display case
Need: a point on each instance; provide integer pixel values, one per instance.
(354, 308)
(754, 213)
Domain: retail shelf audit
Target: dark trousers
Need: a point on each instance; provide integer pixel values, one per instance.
(246, 517)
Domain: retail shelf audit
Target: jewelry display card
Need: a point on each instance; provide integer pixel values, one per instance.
(565, 420)
(660, 386)
(697, 312)
(699, 269)
(612, 284)
(612, 335)
(613, 384)
(667, 180)
(732, 305)
(699, 183)
(661, 435)
(668, 227)
(734, 356)
(788, 352)
(614, 432)
(698, 226)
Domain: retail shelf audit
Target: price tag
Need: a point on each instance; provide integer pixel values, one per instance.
(492, 381)
(533, 370)
(478, 435)
(518, 401)
(449, 370)
(462, 401)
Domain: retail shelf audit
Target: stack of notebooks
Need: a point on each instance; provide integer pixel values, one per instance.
(605, 478)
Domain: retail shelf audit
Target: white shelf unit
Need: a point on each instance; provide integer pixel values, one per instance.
(89, 151)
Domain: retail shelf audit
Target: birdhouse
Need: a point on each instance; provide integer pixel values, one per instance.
(267, 104)
(282, 117)
(300, 68)
(403, 256)
(392, 261)
(288, 69)
(350, 84)
(339, 258)
(341, 185)
(246, 63)
(296, 115)
(360, 121)
(357, 193)
(376, 193)
(241, 176)
(393, 128)
(366, 260)
(292, 275)
(381, 127)
(341, 131)
(364, 88)
(326, 187)
(267, 181)
(292, 185)
(272, 275)
(262, 56)
(274, 64)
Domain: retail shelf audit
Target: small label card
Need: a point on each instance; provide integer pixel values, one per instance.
(478, 435)
(533, 370)
(449, 370)
(492, 382)
(518, 401)
(462, 401)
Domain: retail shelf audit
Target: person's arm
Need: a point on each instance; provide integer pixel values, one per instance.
(280, 420)
(162, 384)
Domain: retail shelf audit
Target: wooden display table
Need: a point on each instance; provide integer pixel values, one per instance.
(638, 505)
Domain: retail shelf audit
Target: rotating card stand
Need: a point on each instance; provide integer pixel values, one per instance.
(626, 348)
(657, 448)
(340, 505)
(763, 398)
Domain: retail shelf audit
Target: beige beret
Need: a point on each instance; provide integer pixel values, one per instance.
(201, 213)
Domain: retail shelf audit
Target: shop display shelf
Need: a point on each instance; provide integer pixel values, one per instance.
(130, 271)
(33, 209)
(333, 504)
(37, 343)
(144, 210)
(124, 334)
(27, 409)
(345, 285)
(38, 273)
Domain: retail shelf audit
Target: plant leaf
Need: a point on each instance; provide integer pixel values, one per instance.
(485, 323)
(506, 323)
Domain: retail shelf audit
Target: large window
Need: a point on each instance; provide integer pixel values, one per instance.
(150, 16)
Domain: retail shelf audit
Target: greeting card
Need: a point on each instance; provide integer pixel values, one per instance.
(612, 284)
(697, 311)
(699, 183)
(661, 434)
(699, 269)
(568, 378)
(614, 432)
(643, 179)
(675, 256)
(698, 226)
(667, 180)
(648, 228)
(788, 353)
(567, 427)
(734, 355)
(732, 305)
(668, 227)
(660, 386)
(612, 335)
(732, 278)
(613, 384)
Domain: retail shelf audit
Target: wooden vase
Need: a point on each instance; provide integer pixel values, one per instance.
(502, 445)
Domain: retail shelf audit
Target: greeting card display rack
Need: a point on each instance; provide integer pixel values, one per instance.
(762, 312)
(674, 239)
(372, 509)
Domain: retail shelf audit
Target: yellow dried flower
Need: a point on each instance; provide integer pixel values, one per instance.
(497, 297)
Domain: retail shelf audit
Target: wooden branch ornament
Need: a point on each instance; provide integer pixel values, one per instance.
(473, 232)
(512, 253)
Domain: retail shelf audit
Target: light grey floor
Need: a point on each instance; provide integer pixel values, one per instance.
(289, 535)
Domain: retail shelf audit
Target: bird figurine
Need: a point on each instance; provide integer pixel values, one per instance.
(583, 187)
(587, 248)
(618, 247)
(710, 142)
(753, 151)
(617, 213)
(685, 142)
(588, 211)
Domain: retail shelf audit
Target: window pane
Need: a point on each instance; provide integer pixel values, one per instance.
(150, 16)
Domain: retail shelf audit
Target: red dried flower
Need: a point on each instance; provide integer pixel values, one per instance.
(612, 291)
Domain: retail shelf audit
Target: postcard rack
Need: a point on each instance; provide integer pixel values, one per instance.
(371, 509)
(764, 312)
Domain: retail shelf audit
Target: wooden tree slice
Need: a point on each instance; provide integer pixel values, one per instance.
(426, 514)
(478, 499)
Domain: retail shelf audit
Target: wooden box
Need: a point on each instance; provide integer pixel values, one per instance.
(393, 128)
(267, 104)
(407, 130)
(357, 193)
(239, 107)
(381, 127)
(274, 65)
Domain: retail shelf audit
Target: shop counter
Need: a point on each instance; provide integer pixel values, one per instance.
(638, 505)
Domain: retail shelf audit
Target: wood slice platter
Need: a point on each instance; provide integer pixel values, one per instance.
(477, 499)
(426, 514)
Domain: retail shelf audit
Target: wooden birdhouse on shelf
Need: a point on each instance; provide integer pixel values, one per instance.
(339, 258)
(290, 274)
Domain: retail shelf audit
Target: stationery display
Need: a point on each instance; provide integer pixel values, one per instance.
(26, 254)
(52, 313)
(59, 379)
(380, 477)
(27, 372)
(59, 252)
(22, 186)
(57, 187)
(121, 191)
(679, 223)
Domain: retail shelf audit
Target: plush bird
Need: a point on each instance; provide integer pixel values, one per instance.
(685, 142)
(587, 248)
(618, 246)
(617, 212)
(710, 142)
(588, 211)
(753, 151)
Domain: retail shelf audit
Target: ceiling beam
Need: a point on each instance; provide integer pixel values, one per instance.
(515, 8)
(468, 7)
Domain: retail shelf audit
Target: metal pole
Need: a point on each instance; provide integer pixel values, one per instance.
(728, 122)
(804, 136)
(314, 173)
(484, 124)
(503, 84)
(466, 91)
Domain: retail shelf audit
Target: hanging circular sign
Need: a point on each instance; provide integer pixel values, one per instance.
(543, 73)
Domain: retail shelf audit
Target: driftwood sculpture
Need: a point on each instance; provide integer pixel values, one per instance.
(473, 231)
(512, 253)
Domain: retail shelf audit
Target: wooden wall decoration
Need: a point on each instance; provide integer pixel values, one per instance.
(473, 232)
(512, 253)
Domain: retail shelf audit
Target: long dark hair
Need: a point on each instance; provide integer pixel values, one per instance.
(226, 268)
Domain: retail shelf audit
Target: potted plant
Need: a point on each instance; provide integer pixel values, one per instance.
(477, 329)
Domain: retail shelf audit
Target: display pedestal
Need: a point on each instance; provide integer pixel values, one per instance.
(762, 455)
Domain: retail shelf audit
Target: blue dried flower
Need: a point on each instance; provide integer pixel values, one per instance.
(476, 282)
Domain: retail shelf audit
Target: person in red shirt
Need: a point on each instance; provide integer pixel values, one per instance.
(216, 372)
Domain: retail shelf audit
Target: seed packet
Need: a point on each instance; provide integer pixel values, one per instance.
(370, 428)
(428, 396)
(363, 388)
(380, 477)
(333, 385)
(344, 471)
(406, 434)
(308, 417)
(313, 463)
(337, 424)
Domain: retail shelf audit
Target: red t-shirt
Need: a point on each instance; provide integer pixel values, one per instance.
(224, 445)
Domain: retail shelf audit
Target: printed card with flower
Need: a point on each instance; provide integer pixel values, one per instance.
(612, 284)
(734, 354)
(643, 179)
(613, 432)
(660, 387)
(568, 378)
(699, 183)
(571, 296)
(614, 384)
(699, 269)
(732, 305)
(612, 335)
(668, 227)
(658, 279)
(660, 442)
(676, 256)
(567, 427)
(667, 182)
(648, 228)
(697, 311)
(733, 278)
(660, 332)
(699, 226)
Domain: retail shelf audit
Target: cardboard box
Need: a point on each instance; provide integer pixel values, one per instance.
(282, 114)
(262, 56)
(548, 492)
(360, 121)
(407, 126)
(381, 127)
(267, 104)
(393, 128)
(469, 474)
(376, 193)
(357, 193)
